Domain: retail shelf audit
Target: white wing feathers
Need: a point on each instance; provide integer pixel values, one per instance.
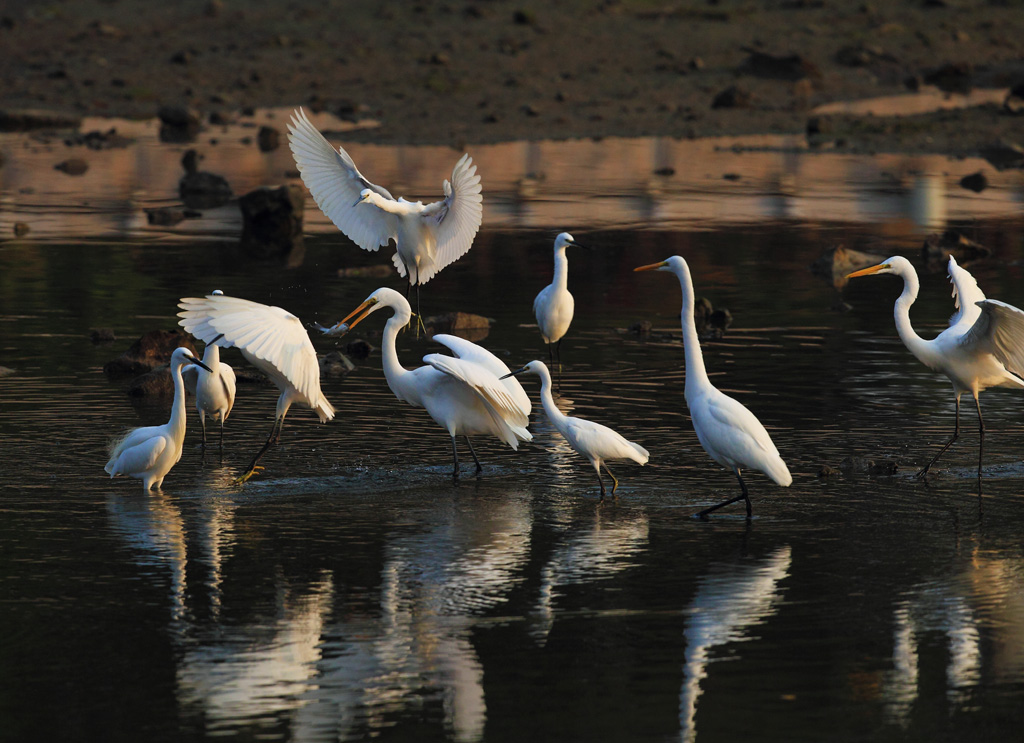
(469, 351)
(966, 295)
(136, 456)
(1000, 329)
(494, 394)
(457, 217)
(335, 182)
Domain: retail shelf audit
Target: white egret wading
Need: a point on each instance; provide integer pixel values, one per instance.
(463, 394)
(427, 237)
(271, 339)
(215, 392)
(729, 433)
(149, 453)
(554, 306)
(596, 442)
(982, 347)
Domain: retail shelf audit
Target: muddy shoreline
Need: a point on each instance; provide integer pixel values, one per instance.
(464, 73)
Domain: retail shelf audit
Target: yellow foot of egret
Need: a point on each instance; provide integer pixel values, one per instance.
(243, 478)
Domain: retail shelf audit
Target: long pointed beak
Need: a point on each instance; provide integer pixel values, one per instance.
(867, 271)
(512, 374)
(581, 245)
(201, 365)
(651, 267)
(366, 308)
(358, 202)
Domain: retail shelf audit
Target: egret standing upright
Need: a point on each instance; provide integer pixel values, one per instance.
(271, 339)
(215, 392)
(554, 304)
(463, 394)
(982, 347)
(149, 453)
(729, 433)
(596, 442)
(427, 237)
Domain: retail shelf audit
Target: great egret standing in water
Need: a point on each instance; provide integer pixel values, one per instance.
(596, 442)
(463, 394)
(729, 433)
(428, 237)
(271, 339)
(554, 306)
(982, 347)
(149, 453)
(215, 392)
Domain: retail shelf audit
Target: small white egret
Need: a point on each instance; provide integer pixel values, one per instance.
(729, 433)
(149, 453)
(596, 442)
(982, 347)
(427, 237)
(215, 392)
(462, 393)
(271, 339)
(554, 306)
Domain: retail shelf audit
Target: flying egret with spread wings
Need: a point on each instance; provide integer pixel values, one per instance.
(271, 339)
(428, 237)
(982, 347)
(729, 433)
(596, 442)
(214, 391)
(554, 305)
(149, 453)
(462, 393)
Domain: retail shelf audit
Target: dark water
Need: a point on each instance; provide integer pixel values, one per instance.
(352, 591)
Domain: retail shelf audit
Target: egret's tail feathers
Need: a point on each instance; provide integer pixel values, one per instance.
(642, 455)
(777, 470)
(324, 409)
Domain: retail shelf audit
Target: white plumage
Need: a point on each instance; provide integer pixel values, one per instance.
(428, 237)
(150, 452)
(214, 391)
(982, 347)
(596, 442)
(554, 305)
(727, 430)
(462, 393)
(271, 339)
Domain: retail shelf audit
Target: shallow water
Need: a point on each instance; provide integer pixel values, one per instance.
(352, 591)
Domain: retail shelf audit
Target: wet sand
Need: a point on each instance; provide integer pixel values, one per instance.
(457, 73)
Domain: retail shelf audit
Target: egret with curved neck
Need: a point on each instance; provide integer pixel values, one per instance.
(596, 442)
(462, 393)
(982, 347)
(149, 453)
(554, 305)
(727, 430)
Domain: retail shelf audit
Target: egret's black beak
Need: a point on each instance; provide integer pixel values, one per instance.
(512, 374)
(200, 364)
(578, 245)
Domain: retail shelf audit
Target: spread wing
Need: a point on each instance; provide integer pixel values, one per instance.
(335, 182)
(966, 295)
(272, 338)
(457, 217)
(485, 385)
(469, 351)
(999, 330)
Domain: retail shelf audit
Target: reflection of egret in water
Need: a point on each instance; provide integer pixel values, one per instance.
(731, 599)
(928, 201)
(418, 647)
(979, 612)
(596, 551)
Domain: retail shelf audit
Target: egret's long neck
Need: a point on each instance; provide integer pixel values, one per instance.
(556, 416)
(393, 369)
(561, 279)
(177, 421)
(915, 343)
(211, 357)
(696, 375)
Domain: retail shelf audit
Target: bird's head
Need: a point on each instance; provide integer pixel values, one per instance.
(217, 292)
(897, 265)
(675, 265)
(364, 197)
(564, 240)
(383, 297)
(182, 356)
(534, 367)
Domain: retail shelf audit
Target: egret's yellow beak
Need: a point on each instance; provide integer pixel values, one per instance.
(867, 271)
(652, 266)
(366, 308)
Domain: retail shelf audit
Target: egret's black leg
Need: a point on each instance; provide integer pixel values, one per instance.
(981, 433)
(743, 496)
(558, 354)
(275, 435)
(551, 356)
(615, 482)
(455, 460)
(222, 433)
(600, 481)
(202, 423)
(956, 435)
(479, 467)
